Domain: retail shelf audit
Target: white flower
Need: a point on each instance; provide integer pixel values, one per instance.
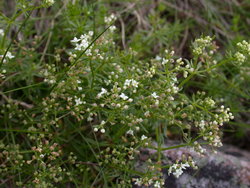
(75, 40)
(143, 137)
(125, 107)
(184, 165)
(147, 114)
(110, 19)
(112, 28)
(154, 95)
(95, 129)
(178, 172)
(164, 61)
(150, 181)
(202, 124)
(91, 33)
(83, 42)
(157, 184)
(130, 131)
(130, 100)
(127, 82)
(89, 119)
(174, 79)
(158, 58)
(103, 92)
(130, 82)
(138, 181)
(42, 155)
(1, 32)
(102, 130)
(78, 101)
(134, 83)
(177, 169)
(123, 96)
(83, 45)
(9, 55)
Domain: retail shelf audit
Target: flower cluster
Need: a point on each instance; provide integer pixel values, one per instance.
(209, 123)
(83, 42)
(243, 53)
(177, 168)
(49, 2)
(49, 73)
(201, 44)
(109, 20)
(167, 59)
(148, 182)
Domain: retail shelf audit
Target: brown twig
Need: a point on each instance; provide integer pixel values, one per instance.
(184, 40)
(123, 32)
(24, 104)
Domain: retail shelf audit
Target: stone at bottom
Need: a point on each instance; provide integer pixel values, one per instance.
(229, 168)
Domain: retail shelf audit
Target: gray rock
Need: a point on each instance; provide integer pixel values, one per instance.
(229, 168)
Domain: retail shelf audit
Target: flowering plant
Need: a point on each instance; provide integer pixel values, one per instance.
(90, 106)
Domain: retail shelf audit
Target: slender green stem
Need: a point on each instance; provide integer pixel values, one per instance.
(21, 88)
(175, 147)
